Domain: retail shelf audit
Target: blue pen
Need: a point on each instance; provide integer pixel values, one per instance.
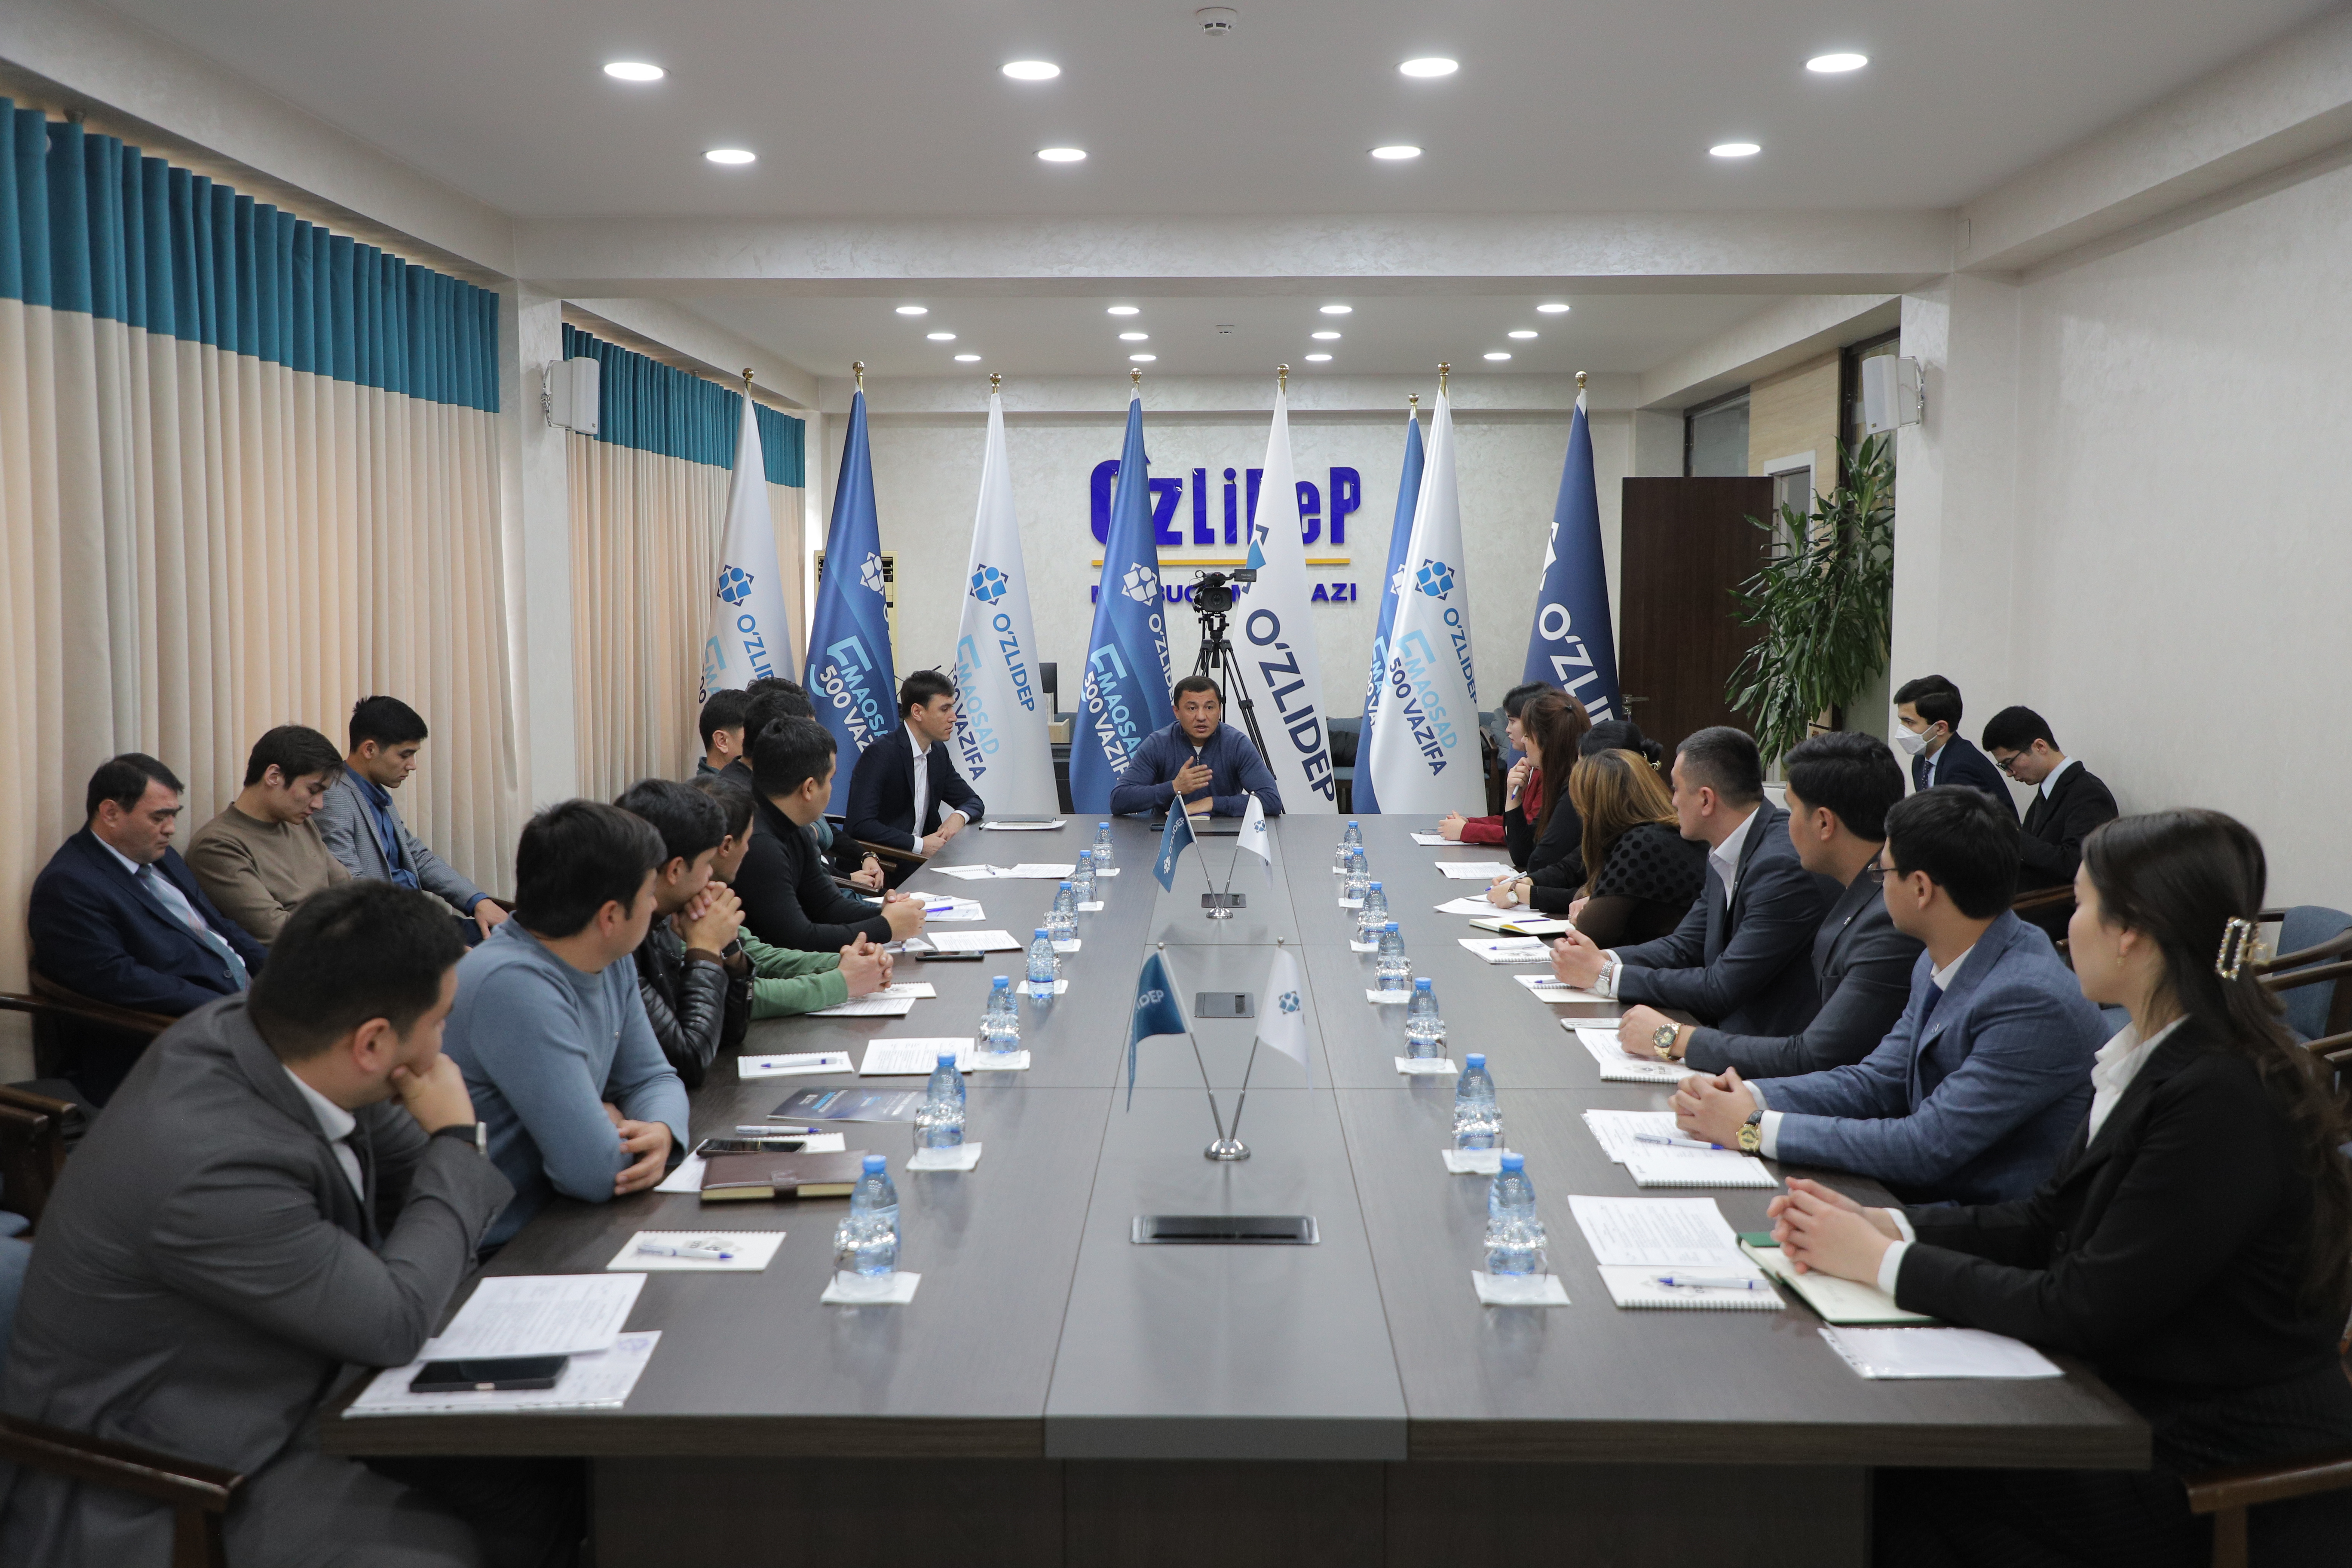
(1695, 1282)
(1672, 1142)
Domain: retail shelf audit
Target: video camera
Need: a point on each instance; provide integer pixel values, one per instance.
(1213, 593)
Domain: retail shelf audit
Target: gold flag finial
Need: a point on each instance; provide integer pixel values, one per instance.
(995, 382)
(747, 375)
(1579, 381)
(1444, 370)
(1135, 379)
(1282, 375)
(1413, 398)
(857, 368)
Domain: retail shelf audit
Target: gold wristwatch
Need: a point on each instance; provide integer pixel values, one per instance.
(1752, 1132)
(1662, 1040)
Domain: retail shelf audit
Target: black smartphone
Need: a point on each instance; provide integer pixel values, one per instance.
(928, 956)
(487, 1373)
(750, 1146)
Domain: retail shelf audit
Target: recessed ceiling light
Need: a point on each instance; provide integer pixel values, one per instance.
(634, 71)
(967, 359)
(1063, 154)
(1498, 354)
(1523, 332)
(1124, 311)
(732, 155)
(1143, 359)
(1317, 359)
(1135, 337)
(1552, 308)
(1031, 71)
(1323, 337)
(1734, 149)
(940, 337)
(1339, 310)
(1829, 65)
(1396, 154)
(1431, 65)
(914, 310)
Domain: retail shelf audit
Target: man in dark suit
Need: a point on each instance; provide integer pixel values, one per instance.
(905, 792)
(767, 699)
(117, 916)
(1841, 787)
(1738, 959)
(2069, 801)
(1928, 711)
(789, 901)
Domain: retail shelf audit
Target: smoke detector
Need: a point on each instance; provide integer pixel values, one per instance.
(1224, 329)
(1218, 21)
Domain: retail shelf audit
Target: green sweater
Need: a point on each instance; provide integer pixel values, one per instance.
(785, 981)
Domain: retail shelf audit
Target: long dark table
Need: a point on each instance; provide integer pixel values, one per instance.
(1057, 1393)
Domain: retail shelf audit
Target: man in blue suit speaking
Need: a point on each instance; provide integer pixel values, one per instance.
(1974, 1093)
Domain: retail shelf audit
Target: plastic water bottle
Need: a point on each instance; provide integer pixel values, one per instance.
(1102, 844)
(874, 1218)
(1425, 1031)
(1358, 884)
(1373, 915)
(1351, 839)
(1082, 876)
(1477, 1117)
(1000, 1023)
(1393, 968)
(1061, 920)
(1514, 1233)
(1045, 964)
(940, 1124)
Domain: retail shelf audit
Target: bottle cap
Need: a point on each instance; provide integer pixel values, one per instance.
(1102, 824)
(1003, 981)
(1515, 1162)
(1065, 886)
(1375, 886)
(1477, 1058)
(1422, 984)
(875, 1164)
(947, 1059)
(1352, 823)
(1391, 926)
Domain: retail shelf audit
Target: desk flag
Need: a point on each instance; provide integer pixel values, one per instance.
(1156, 1012)
(1282, 1021)
(1273, 634)
(1174, 839)
(1570, 644)
(748, 639)
(1425, 750)
(1365, 800)
(1002, 742)
(1254, 836)
(1124, 692)
(849, 676)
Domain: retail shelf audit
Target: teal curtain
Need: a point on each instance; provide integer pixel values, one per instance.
(653, 408)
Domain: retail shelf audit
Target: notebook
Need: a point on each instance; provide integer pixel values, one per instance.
(1640, 1244)
(727, 1177)
(1671, 1165)
(1938, 1353)
(1616, 1067)
(1525, 925)
(1508, 949)
(1836, 1300)
(1548, 988)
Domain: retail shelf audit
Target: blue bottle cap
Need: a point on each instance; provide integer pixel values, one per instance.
(1477, 1058)
(1003, 982)
(947, 1059)
(1085, 854)
(1422, 984)
(875, 1164)
(1352, 823)
(1515, 1162)
(1391, 926)
(1065, 886)
(1376, 886)
(1041, 930)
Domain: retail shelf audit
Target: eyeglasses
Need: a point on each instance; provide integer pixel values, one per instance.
(2008, 764)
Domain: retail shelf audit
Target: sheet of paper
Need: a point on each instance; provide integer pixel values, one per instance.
(1524, 925)
(964, 942)
(965, 873)
(914, 990)
(1671, 1165)
(954, 911)
(1938, 1353)
(1387, 997)
(601, 1381)
(1475, 870)
(962, 1157)
(1465, 907)
(1431, 840)
(1549, 988)
(875, 1006)
(895, 1290)
(1026, 827)
(1044, 871)
(1616, 1067)
(1106, 870)
(1508, 949)
(1091, 907)
(1658, 1233)
(1519, 1289)
(792, 1065)
(539, 1314)
(1427, 1066)
(752, 1250)
(1075, 945)
(1615, 1129)
(913, 1057)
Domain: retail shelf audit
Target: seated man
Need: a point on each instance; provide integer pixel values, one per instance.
(905, 792)
(1738, 958)
(1841, 787)
(1199, 760)
(117, 916)
(1929, 712)
(721, 726)
(361, 826)
(549, 1028)
(789, 901)
(289, 1183)
(2069, 801)
(774, 697)
(785, 981)
(262, 855)
(1974, 1093)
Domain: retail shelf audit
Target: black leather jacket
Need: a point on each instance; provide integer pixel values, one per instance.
(698, 1008)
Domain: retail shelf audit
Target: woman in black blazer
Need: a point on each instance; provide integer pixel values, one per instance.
(1550, 725)
(2194, 1245)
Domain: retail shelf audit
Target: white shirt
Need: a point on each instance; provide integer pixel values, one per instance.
(922, 780)
(2051, 777)
(165, 889)
(1768, 1131)
(1933, 758)
(337, 1124)
(2117, 1063)
(1725, 859)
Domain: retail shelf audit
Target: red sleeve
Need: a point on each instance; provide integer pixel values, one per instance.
(1482, 831)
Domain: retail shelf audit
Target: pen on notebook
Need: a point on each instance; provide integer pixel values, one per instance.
(697, 1254)
(1672, 1142)
(766, 1130)
(1707, 1282)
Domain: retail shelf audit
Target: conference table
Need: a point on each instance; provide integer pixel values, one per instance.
(1057, 1392)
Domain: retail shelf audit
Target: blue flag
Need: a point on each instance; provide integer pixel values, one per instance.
(1570, 644)
(1124, 695)
(849, 674)
(1156, 1012)
(1173, 836)
(1399, 544)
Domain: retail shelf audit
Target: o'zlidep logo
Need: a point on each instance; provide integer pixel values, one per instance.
(734, 584)
(988, 585)
(1435, 579)
(871, 574)
(1290, 1002)
(1150, 999)
(1140, 584)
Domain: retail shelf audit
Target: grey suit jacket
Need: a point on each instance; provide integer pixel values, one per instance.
(205, 1274)
(349, 828)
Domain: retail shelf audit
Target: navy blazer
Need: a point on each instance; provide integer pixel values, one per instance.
(1741, 964)
(1971, 1104)
(1959, 762)
(882, 792)
(96, 931)
(1862, 966)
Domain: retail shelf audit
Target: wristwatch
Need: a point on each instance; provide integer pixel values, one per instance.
(474, 1132)
(1752, 1132)
(1662, 1040)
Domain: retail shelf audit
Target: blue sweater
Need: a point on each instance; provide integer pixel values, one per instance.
(542, 1047)
(1236, 772)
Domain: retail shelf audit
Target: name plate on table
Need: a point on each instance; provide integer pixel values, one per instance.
(1225, 1229)
(1224, 901)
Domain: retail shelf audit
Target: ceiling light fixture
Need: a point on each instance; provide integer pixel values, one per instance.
(1339, 310)
(1143, 359)
(1135, 337)
(914, 310)
(1324, 337)
(1124, 311)
(1317, 359)
(1522, 332)
(634, 71)
(1063, 154)
(1396, 154)
(1430, 65)
(1735, 150)
(1498, 354)
(967, 359)
(732, 155)
(1830, 65)
(1031, 71)
(1552, 308)
(940, 337)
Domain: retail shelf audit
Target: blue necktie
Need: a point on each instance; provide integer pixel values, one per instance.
(196, 926)
(1935, 994)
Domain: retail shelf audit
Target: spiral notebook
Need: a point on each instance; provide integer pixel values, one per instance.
(1671, 1165)
(1642, 1244)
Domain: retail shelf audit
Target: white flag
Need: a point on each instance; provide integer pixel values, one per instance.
(1425, 751)
(1274, 637)
(748, 639)
(1001, 739)
(1282, 1021)
(1254, 836)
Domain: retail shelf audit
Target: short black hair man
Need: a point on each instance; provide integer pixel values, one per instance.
(2069, 801)
(1927, 716)
(722, 727)
(789, 900)
(905, 792)
(262, 855)
(360, 825)
(1199, 759)
(773, 698)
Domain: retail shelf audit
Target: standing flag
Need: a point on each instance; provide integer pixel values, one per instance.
(749, 639)
(1001, 735)
(1425, 751)
(1156, 1012)
(1276, 646)
(1363, 797)
(1253, 838)
(1570, 644)
(1174, 838)
(849, 675)
(1283, 1024)
(1124, 696)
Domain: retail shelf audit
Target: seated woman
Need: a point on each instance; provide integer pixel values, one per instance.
(1550, 725)
(1648, 872)
(2194, 1244)
(1519, 789)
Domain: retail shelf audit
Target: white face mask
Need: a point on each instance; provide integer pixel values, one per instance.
(1912, 742)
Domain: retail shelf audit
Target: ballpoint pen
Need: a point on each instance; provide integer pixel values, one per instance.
(1701, 1282)
(695, 1254)
(768, 1131)
(1672, 1142)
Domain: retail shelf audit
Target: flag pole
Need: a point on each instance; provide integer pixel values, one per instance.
(1216, 1120)
(1244, 1100)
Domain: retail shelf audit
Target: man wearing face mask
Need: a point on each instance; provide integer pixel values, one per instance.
(1928, 714)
